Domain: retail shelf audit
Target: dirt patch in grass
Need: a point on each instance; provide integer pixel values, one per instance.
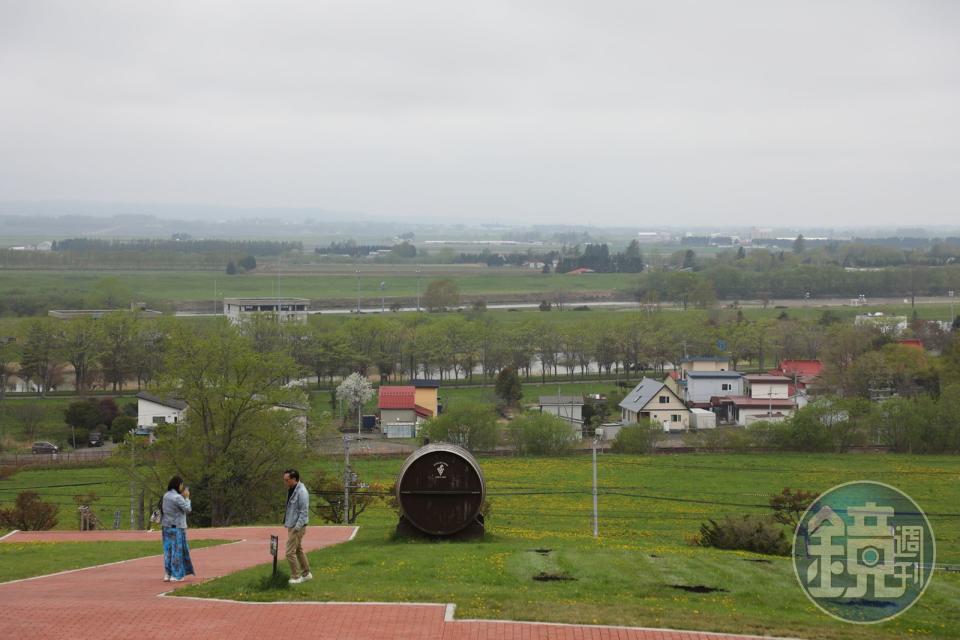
(697, 588)
(543, 576)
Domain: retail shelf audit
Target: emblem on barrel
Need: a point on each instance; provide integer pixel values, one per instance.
(440, 490)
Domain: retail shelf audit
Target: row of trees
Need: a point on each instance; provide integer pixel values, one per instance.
(178, 245)
(599, 258)
(475, 346)
(763, 274)
(103, 353)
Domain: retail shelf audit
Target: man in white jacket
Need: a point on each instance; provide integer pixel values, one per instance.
(297, 516)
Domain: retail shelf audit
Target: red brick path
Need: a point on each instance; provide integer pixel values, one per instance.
(120, 601)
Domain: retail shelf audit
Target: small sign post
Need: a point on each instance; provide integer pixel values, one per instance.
(274, 543)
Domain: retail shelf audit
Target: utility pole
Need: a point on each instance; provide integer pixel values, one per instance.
(383, 285)
(133, 465)
(418, 288)
(596, 518)
(346, 479)
(358, 290)
(952, 316)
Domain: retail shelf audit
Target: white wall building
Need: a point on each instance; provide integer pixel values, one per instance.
(284, 309)
(153, 410)
(763, 386)
(569, 408)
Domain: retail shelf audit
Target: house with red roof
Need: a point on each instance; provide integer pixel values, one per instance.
(802, 374)
(400, 415)
(916, 343)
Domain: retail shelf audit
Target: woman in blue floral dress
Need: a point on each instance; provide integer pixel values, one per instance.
(176, 552)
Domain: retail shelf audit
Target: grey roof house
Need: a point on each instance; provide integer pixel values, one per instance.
(653, 400)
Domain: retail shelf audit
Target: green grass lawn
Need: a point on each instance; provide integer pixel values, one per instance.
(59, 485)
(650, 509)
(20, 560)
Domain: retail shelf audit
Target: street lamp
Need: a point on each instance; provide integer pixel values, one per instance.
(383, 285)
(953, 316)
(358, 290)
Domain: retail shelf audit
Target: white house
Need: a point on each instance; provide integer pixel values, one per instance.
(283, 309)
(654, 400)
(700, 386)
(153, 410)
(763, 386)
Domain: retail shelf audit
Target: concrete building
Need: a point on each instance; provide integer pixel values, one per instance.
(283, 309)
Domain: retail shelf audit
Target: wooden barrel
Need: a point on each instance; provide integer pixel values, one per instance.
(440, 489)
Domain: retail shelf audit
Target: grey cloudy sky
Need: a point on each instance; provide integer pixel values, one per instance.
(641, 113)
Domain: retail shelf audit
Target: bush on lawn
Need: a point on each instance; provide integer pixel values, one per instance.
(758, 534)
(7, 471)
(121, 426)
(638, 438)
(29, 513)
(473, 426)
(542, 434)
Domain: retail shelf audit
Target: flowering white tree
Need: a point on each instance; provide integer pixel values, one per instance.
(355, 390)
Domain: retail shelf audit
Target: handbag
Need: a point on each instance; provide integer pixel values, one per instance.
(157, 516)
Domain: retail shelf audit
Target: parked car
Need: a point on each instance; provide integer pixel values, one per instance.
(45, 447)
(95, 439)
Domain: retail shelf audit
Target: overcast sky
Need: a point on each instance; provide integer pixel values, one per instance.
(640, 113)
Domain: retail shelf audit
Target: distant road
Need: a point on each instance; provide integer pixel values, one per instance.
(632, 304)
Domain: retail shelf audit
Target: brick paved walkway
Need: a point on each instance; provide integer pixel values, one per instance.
(120, 601)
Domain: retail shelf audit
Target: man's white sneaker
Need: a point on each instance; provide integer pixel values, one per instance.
(306, 576)
(172, 579)
(295, 581)
(166, 577)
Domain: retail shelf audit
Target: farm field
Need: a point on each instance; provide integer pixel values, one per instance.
(649, 508)
(158, 287)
